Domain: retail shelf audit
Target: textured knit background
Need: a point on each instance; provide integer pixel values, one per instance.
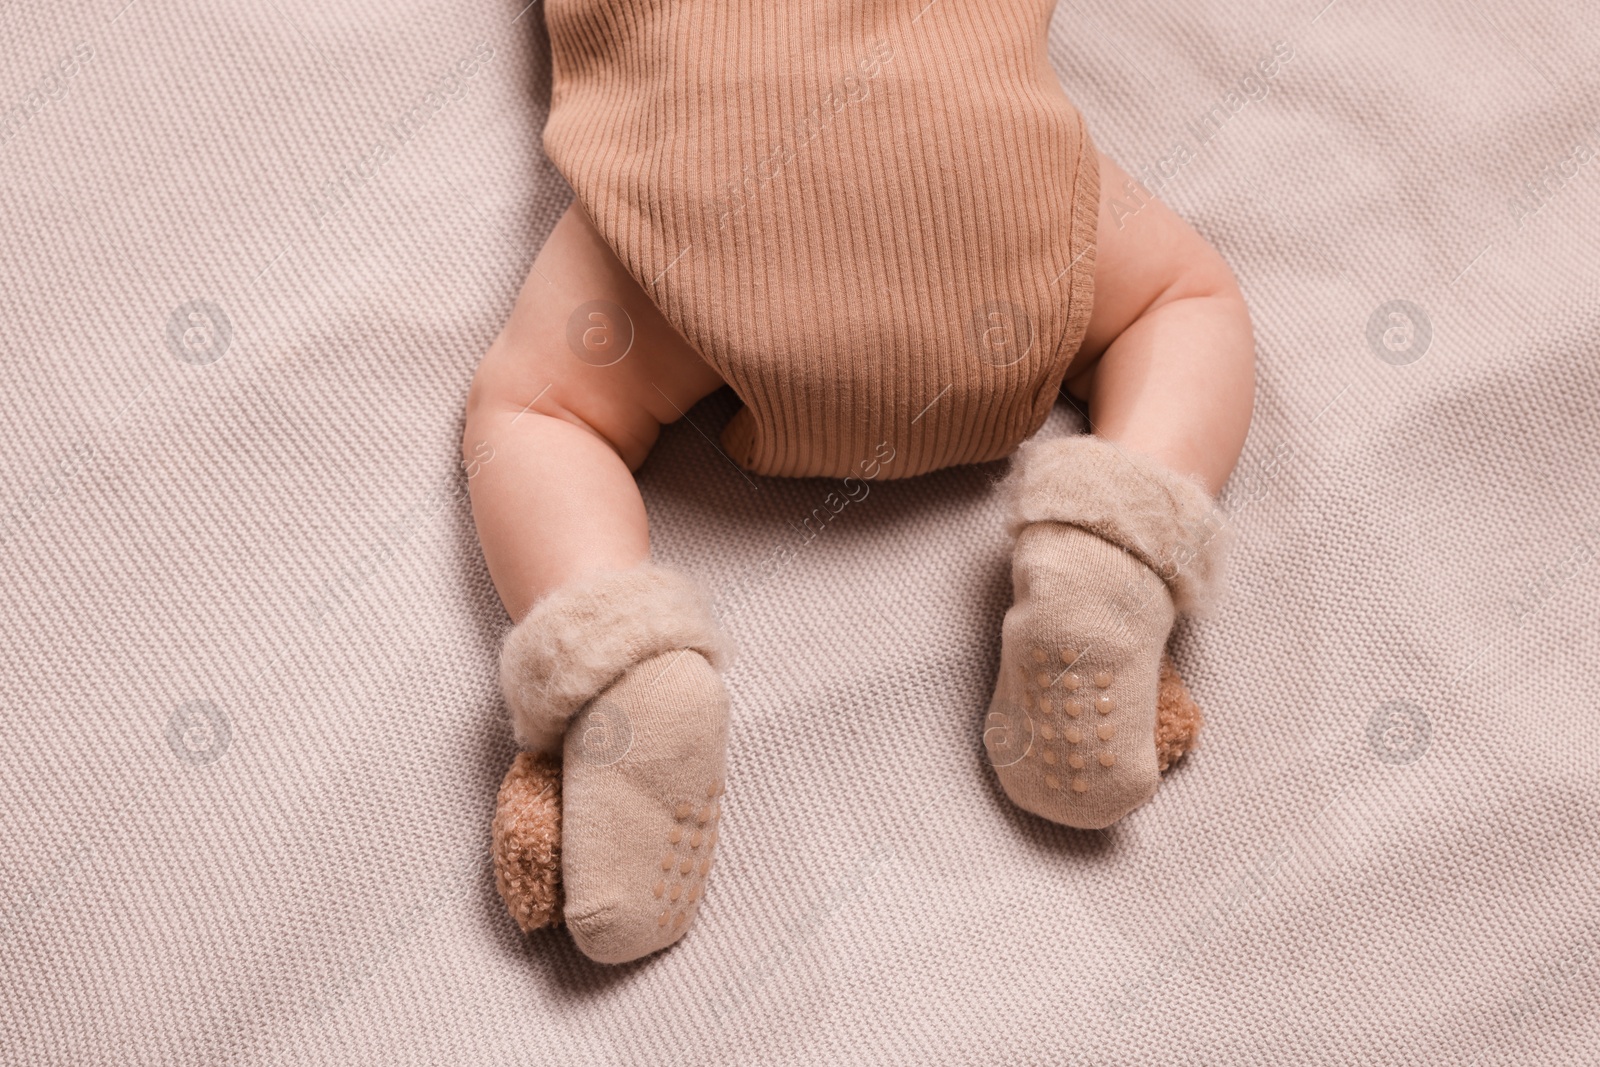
(250, 735)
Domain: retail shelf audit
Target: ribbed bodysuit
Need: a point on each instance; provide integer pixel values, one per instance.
(875, 218)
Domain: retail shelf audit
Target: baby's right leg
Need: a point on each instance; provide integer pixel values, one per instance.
(565, 406)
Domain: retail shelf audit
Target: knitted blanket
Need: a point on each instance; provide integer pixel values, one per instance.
(251, 732)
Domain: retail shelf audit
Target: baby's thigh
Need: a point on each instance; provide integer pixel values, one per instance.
(586, 343)
(1144, 255)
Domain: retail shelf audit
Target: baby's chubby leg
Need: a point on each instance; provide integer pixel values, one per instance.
(611, 666)
(1168, 362)
(566, 404)
(1117, 532)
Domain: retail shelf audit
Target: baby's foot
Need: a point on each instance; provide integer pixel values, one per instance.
(643, 784)
(616, 674)
(527, 823)
(1072, 727)
(1110, 546)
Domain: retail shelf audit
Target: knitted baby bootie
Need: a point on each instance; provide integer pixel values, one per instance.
(618, 674)
(1110, 547)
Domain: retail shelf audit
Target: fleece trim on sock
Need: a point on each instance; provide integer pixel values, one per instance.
(581, 638)
(1169, 522)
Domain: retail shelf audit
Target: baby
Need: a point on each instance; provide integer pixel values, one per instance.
(883, 224)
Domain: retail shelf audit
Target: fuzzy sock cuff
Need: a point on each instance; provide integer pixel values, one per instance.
(1167, 521)
(580, 638)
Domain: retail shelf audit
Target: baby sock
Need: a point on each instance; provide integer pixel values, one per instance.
(619, 674)
(1110, 547)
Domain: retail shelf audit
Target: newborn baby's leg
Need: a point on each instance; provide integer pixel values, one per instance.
(1116, 532)
(1168, 362)
(568, 414)
(565, 405)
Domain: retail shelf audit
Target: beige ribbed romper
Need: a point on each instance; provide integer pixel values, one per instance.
(875, 218)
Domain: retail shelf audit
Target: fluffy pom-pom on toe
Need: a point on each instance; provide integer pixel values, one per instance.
(1178, 718)
(527, 841)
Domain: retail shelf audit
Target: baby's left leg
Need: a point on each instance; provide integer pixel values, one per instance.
(1168, 362)
(611, 664)
(1117, 532)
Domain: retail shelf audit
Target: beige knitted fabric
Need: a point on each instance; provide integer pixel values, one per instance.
(252, 731)
(877, 226)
